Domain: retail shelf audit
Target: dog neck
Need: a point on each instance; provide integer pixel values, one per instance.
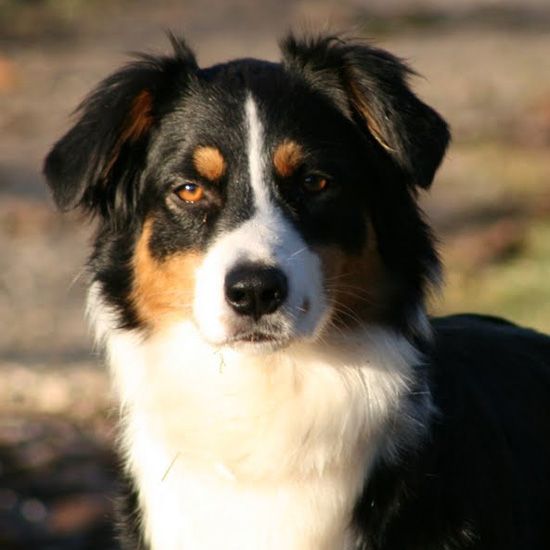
(291, 432)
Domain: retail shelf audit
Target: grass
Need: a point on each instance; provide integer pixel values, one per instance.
(517, 288)
(491, 204)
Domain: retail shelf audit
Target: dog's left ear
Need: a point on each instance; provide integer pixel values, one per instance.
(370, 86)
(97, 166)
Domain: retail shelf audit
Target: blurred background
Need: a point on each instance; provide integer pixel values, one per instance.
(485, 65)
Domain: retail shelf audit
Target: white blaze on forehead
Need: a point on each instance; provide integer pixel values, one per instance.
(256, 150)
(268, 238)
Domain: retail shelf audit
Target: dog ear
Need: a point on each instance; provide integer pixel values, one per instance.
(370, 86)
(97, 165)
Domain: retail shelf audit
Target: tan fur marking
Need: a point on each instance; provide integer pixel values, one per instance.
(357, 285)
(209, 163)
(140, 118)
(136, 125)
(361, 104)
(162, 290)
(287, 158)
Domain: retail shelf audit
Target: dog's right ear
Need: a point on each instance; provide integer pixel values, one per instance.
(370, 86)
(96, 165)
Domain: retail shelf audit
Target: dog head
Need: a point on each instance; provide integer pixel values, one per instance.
(264, 203)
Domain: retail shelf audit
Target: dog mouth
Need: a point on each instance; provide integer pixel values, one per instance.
(258, 339)
(255, 337)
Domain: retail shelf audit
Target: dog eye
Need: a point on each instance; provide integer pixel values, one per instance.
(315, 183)
(190, 192)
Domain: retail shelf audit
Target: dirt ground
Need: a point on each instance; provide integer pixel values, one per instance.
(485, 66)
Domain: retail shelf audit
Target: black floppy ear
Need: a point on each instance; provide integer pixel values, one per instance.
(97, 164)
(370, 86)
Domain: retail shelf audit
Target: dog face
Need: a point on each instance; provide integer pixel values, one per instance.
(253, 199)
(264, 203)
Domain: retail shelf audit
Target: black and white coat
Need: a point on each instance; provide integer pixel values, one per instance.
(258, 283)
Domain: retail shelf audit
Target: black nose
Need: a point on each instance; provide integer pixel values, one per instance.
(255, 290)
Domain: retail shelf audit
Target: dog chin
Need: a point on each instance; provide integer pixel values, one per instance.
(260, 346)
(264, 337)
(253, 341)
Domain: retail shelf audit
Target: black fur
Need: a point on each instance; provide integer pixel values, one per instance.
(482, 480)
(415, 136)
(129, 526)
(78, 168)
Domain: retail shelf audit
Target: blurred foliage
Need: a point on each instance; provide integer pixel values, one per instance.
(421, 17)
(516, 287)
(493, 213)
(39, 19)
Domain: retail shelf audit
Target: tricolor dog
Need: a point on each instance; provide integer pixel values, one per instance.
(258, 282)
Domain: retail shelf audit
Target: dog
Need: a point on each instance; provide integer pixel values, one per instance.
(259, 282)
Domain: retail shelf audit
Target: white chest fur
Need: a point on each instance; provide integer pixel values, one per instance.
(270, 452)
(210, 509)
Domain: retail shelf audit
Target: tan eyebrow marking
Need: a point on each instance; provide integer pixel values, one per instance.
(209, 162)
(287, 157)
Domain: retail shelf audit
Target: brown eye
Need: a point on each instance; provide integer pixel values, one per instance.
(190, 192)
(315, 183)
